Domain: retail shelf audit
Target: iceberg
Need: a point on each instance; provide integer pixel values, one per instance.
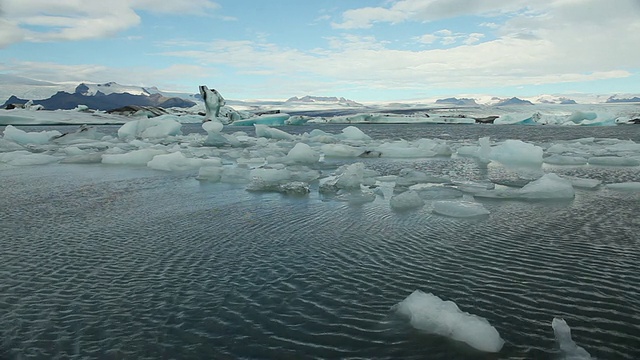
(213, 101)
(429, 313)
(517, 152)
(570, 350)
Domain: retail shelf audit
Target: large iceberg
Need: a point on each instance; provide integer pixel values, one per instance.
(429, 313)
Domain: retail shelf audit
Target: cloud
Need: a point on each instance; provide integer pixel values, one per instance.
(562, 41)
(68, 20)
(426, 10)
(557, 41)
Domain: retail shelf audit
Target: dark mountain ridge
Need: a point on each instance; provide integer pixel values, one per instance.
(66, 101)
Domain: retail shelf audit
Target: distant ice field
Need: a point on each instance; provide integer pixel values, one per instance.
(300, 246)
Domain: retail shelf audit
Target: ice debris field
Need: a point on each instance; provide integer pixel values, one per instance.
(277, 161)
(337, 166)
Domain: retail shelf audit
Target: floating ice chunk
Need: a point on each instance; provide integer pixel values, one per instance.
(22, 137)
(350, 177)
(136, 157)
(353, 133)
(429, 313)
(565, 160)
(210, 173)
(26, 158)
(624, 147)
(82, 135)
(303, 174)
(303, 154)
(270, 133)
(406, 201)
(74, 150)
(213, 126)
(583, 183)
(297, 120)
(559, 149)
(409, 177)
(625, 186)
(549, 186)
(92, 158)
(579, 116)
(459, 208)
(272, 176)
(613, 161)
(569, 348)
(297, 188)
(516, 152)
(154, 128)
(404, 149)
(235, 175)
(340, 150)
(430, 192)
(178, 162)
(484, 152)
(357, 197)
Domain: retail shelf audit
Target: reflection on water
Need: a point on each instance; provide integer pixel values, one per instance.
(116, 262)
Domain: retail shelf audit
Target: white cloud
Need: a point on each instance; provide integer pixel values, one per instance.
(447, 37)
(554, 42)
(426, 10)
(78, 19)
(427, 38)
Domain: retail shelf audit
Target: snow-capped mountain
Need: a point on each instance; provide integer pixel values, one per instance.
(322, 99)
(106, 96)
(88, 89)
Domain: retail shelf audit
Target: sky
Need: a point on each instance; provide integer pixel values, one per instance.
(361, 50)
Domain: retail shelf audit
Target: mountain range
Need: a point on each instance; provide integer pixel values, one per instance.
(105, 97)
(322, 99)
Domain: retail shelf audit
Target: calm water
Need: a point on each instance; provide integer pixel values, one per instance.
(129, 263)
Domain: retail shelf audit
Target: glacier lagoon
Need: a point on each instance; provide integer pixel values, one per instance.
(125, 260)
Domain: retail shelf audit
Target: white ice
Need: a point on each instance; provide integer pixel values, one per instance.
(459, 208)
(517, 152)
(154, 128)
(570, 350)
(429, 313)
(631, 186)
(271, 133)
(22, 137)
(25, 158)
(406, 201)
(303, 154)
(549, 186)
(179, 162)
(136, 157)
